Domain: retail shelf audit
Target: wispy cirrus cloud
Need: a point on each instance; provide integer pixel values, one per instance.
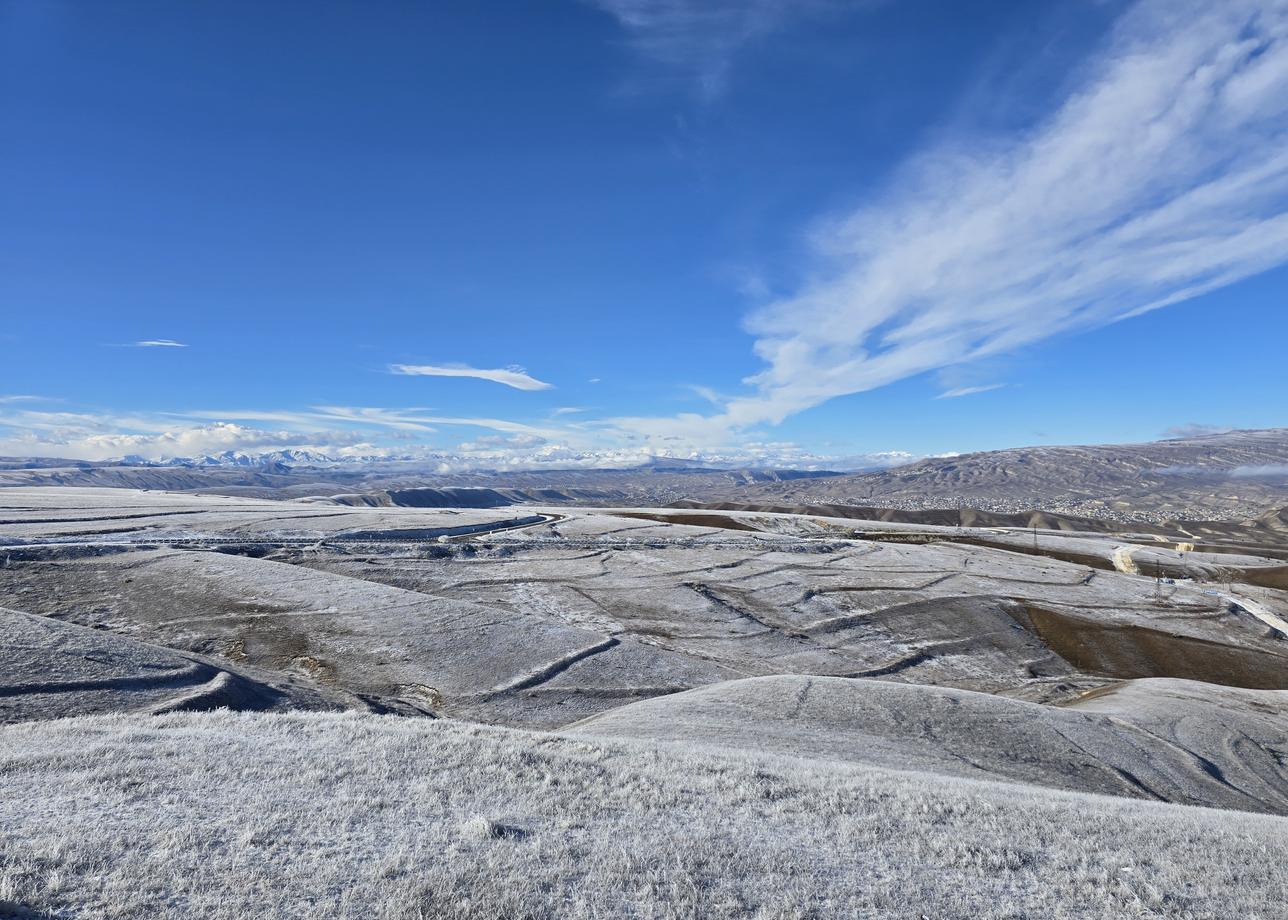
(512, 376)
(1162, 176)
(395, 419)
(699, 39)
(410, 420)
(156, 343)
(958, 392)
(398, 418)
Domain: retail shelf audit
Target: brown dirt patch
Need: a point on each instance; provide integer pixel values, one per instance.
(693, 520)
(1131, 651)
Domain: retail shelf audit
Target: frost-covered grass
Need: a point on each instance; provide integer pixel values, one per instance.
(221, 816)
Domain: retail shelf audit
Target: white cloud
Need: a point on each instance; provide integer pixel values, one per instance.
(77, 422)
(347, 431)
(88, 444)
(158, 343)
(1195, 430)
(412, 419)
(700, 38)
(1262, 471)
(969, 391)
(708, 394)
(493, 441)
(20, 398)
(512, 376)
(1163, 176)
(302, 420)
(1254, 472)
(406, 420)
(399, 419)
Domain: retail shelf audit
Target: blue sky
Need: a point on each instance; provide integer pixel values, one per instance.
(506, 233)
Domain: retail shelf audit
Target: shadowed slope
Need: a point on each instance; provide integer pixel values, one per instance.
(50, 669)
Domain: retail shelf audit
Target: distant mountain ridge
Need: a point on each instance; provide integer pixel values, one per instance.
(372, 481)
(237, 458)
(1234, 474)
(281, 460)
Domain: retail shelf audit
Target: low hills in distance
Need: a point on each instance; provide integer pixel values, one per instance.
(1219, 476)
(1228, 476)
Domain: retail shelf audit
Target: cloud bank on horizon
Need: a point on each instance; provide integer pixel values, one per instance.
(366, 432)
(352, 432)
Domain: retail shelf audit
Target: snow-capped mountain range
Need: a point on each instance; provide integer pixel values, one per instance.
(551, 458)
(237, 458)
(299, 457)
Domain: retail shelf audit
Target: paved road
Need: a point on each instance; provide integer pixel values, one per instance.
(1258, 610)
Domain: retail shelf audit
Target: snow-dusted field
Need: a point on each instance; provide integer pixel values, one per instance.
(753, 714)
(1167, 740)
(106, 515)
(545, 625)
(231, 816)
